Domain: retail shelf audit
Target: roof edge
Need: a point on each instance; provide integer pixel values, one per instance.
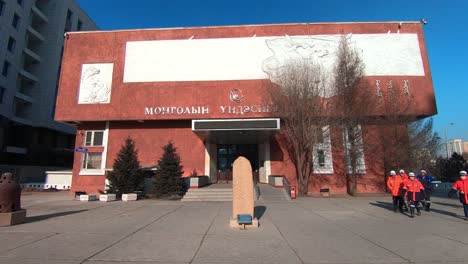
(247, 25)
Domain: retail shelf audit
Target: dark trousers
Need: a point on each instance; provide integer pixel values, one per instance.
(397, 202)
(427, 201)
(465, 208)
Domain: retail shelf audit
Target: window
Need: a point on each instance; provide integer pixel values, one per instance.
(354, 147)
(6, 67)
(2, 92)
(92, 160)
(15, 21)
(11, 44)
(68, 22)
(94, 138)
(79, 27)
(2, 5)
(321, 158)
(322, 151)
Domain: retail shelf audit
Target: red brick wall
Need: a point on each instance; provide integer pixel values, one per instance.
(129, 99)
(149, 138)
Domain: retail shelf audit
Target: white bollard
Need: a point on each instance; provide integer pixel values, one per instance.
(129, 197)
(107, 197)
(88, 197)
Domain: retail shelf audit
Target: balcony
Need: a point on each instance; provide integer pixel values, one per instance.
(38, 13)
(28, 75)
(33, 57)
(30, 62)
(32, 32)
(22, 109)
(24, 97)
(26, 86)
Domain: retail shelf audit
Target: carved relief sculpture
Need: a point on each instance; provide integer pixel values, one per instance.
(95, 84)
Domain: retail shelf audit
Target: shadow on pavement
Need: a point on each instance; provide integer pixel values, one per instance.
(48, 216)
(448, 204)
(385, 205)
(442, 212)
(259, 211)
(389, 206)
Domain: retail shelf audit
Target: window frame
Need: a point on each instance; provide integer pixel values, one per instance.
(86, 158)
(92, 141)
(16, 18)
(359, 143)
(11, 45)
(6, 68)
(2, 7)
(2, 93)
(324, 147)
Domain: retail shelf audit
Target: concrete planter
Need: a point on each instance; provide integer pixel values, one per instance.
(13, 218)
(88, 197)
(198, 181)
(276, 180)
(107, 197)
(129, 197)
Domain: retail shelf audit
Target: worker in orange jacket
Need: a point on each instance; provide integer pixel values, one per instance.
(414, 191)
(403, 175)
(461, 186)
(404, 178)
(395, 185)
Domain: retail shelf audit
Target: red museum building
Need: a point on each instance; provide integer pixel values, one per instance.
(203, 88)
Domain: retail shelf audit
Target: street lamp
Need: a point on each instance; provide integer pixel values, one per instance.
(446, 140)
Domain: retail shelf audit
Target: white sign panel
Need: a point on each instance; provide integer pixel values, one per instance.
(259, 57)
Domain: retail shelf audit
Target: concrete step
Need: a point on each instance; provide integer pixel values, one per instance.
(208, 194)
(206, 200)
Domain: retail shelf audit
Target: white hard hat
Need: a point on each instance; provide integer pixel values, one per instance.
(402, 171)
(392, 172)
(423, 171)
(411, 174)
(462, 173)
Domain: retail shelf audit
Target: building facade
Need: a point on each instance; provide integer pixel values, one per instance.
(204, 89)
(31, 47)
(455, 145)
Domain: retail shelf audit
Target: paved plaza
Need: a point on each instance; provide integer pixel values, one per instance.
(306, 230)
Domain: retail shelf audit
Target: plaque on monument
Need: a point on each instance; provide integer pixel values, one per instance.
(242, 194)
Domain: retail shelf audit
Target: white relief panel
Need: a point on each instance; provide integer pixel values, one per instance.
(260, 57)
(95, 83)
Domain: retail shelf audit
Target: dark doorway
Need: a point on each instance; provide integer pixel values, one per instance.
(228, 153)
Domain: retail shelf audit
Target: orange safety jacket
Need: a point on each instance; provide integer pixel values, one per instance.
(462, 186)
(395, 184)
(413, 188)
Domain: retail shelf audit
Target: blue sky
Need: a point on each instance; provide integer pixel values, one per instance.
(446, 33)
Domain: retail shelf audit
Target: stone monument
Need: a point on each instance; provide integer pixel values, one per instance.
(242, 192)
(10, 201)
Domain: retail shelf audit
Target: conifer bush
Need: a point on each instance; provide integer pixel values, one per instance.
(168, 182)
(126, 176)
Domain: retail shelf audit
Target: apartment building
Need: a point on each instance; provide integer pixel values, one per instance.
(31, 48)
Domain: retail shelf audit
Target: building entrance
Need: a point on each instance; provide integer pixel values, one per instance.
(228, 153)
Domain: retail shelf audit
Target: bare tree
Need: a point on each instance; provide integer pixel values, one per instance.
(396, 102)
(297, 92)
(352, 106)
(423, 143)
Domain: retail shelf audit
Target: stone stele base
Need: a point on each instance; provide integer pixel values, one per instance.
(13, 218)
(233, 223)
